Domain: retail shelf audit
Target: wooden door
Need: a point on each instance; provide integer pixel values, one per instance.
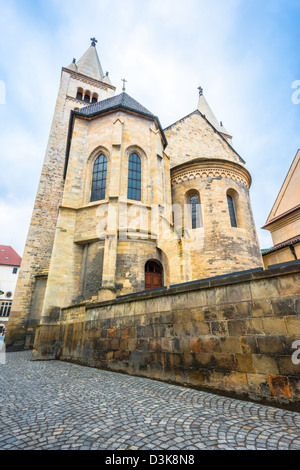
(153, 275)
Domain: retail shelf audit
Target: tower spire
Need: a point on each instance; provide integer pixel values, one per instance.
(89, 64)
(206, 110)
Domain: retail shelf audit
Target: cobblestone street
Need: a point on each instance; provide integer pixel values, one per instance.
(55, 405)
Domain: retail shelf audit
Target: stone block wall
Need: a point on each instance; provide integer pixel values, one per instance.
(232, 335)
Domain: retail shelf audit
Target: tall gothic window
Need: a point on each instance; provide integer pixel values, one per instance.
(99, 179)
(231, 211)
(195, 211)
(134, 177)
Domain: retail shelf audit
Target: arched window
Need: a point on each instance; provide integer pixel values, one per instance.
(195, 211)
(134, 178)
(231, 209)
(87, 97)
(79, 95)
(95, 98)
(99, 179)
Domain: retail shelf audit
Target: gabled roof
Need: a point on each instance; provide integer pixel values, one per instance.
(211, 125)
(120, 101)
(9, 257)
(281, 216)
(288, 198)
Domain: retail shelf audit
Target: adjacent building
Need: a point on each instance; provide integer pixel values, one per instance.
(10, 263)
(284, 220)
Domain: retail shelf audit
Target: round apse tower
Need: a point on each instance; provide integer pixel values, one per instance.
(216, 213)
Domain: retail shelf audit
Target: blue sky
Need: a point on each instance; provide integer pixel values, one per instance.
(244, 53)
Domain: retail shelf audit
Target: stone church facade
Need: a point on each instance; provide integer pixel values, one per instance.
(124, 205)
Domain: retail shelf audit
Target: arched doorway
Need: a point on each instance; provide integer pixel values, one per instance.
(153, 275)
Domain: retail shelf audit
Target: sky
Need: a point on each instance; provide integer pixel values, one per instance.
(244, 53)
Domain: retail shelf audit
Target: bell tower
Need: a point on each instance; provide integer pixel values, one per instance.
(82, 82)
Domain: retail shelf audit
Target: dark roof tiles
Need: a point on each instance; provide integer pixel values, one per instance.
(120, 101)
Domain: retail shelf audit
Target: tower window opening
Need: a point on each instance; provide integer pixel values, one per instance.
(79, 95)
(134, 178)
(231, 209)
(99, 179)
(87, 98)
(195, 211)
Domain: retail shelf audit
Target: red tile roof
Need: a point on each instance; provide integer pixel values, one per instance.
(9, 257)
(290, 242)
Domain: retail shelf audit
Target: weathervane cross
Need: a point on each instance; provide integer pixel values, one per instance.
(200, 90)
(94, 41)
(124, 86)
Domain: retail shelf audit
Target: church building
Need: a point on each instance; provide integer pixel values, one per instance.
(124, 205)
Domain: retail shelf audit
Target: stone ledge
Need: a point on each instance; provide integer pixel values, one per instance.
(234, 278)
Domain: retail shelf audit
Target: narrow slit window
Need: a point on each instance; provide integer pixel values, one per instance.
(99, 179)
(231, 211)
(195, 211)
(134, 178)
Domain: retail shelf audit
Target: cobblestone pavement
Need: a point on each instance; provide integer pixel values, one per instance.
(55, 405)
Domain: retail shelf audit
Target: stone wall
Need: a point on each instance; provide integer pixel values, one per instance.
(232, 335)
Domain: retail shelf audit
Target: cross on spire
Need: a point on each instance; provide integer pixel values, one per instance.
(94, 42)
(124, 86)
(200, 90)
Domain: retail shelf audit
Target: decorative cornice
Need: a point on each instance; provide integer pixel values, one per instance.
(75, 100)
(89, 81)
(211, 169)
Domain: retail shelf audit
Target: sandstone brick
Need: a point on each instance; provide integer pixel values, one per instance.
(292, 325)
(264, 289)
(219, 328)
(258, 385)
(244, 363)
(274, 326)
(264, 364)
(249, 344)
(230, 345)
(237, 327)
(238, 293)
(236, 382)
(271, 344)
(279, 386)
(262, 308)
